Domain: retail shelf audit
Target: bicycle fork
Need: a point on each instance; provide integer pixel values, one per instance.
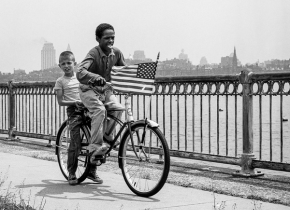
(140, 142)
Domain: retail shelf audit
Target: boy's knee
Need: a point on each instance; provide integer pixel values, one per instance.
(99, 112)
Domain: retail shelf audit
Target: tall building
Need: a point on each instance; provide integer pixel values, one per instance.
(183, 56)
(68, 48)
(47, 56)
(139, 55)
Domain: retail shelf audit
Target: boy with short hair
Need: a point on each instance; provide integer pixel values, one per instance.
(96, 69)
(67, 92)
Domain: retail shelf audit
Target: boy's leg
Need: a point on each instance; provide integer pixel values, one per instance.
(113, 102)
(97, 113)
(75, 145)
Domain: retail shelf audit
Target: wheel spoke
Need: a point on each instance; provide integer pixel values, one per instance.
(142, 173)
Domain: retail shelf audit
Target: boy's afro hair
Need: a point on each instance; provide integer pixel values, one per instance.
(101, 28)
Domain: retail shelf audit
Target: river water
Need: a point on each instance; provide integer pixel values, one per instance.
(201, 138)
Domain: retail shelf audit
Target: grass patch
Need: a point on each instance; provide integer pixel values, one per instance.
(14, 200)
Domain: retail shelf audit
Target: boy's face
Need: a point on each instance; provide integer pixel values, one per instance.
(106, 42)
(67, 65)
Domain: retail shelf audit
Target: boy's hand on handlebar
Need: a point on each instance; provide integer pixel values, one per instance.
(100, 81)
(79, 104)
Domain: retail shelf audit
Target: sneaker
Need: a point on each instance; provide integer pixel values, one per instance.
(94, 177)
(72, 179)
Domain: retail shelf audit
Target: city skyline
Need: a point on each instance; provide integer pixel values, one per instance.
(258, 29)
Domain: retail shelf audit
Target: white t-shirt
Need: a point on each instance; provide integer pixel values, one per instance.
(70, 87)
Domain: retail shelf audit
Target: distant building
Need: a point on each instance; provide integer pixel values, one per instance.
(68, 48)
(276, 64)
(183, 56)
(230, 61)
(47, 56)
(203, 61)
(19, 71)
(139, 55)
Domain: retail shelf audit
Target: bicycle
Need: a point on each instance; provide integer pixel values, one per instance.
(143, 154)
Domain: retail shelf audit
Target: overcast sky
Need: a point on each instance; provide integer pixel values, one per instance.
(259, 29)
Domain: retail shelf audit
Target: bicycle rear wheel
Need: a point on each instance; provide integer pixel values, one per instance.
(62, 145)
(146, 171)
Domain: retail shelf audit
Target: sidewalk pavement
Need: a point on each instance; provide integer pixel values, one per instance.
(40, 179)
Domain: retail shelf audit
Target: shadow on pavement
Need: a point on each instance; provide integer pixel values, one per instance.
(60, 189)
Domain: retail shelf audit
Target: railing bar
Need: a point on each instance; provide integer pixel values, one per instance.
(33, 122)
(22, 120)
(132, 105)
(156, 110)
(47, 113)
(227, 125)
(270, 127)
(178, 139)
(2, 111)
(185, 119)
(281, 128)
(236, 126)
(209, 124)
(56, 125)
(6, 111)
(201, 140)
(150, 116)
(193, 123)
(170, 114)
(260, 126)
(51, 115)
(40, 114)
(164, 115)
(16, 111)
(36, 112)
(138, 107)
(44, 114)
(26, 110)
(218, 131)
(144, 108)
(29, 113)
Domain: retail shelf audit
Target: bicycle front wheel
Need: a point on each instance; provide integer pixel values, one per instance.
(62, 144)
(145, 166)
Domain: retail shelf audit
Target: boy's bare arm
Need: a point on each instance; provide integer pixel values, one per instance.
(61, 102)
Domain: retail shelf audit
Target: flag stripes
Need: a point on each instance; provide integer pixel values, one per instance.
(134, 78)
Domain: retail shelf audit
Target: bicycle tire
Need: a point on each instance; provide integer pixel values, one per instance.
(62, 144)
(136, 175)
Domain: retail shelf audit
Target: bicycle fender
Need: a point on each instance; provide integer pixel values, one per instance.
(150, 123)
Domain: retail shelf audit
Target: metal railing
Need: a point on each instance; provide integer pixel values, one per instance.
(234, 119)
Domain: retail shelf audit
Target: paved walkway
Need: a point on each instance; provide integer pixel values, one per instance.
(41, 179)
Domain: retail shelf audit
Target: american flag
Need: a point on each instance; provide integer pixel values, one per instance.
(134, 79)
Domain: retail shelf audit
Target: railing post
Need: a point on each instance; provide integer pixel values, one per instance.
(247, 157)
(11, 111)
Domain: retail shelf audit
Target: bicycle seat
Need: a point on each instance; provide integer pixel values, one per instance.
(111, 106)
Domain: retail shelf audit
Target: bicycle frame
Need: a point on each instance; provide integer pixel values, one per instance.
(129, 123)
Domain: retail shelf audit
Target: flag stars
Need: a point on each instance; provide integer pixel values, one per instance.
(146, 70)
